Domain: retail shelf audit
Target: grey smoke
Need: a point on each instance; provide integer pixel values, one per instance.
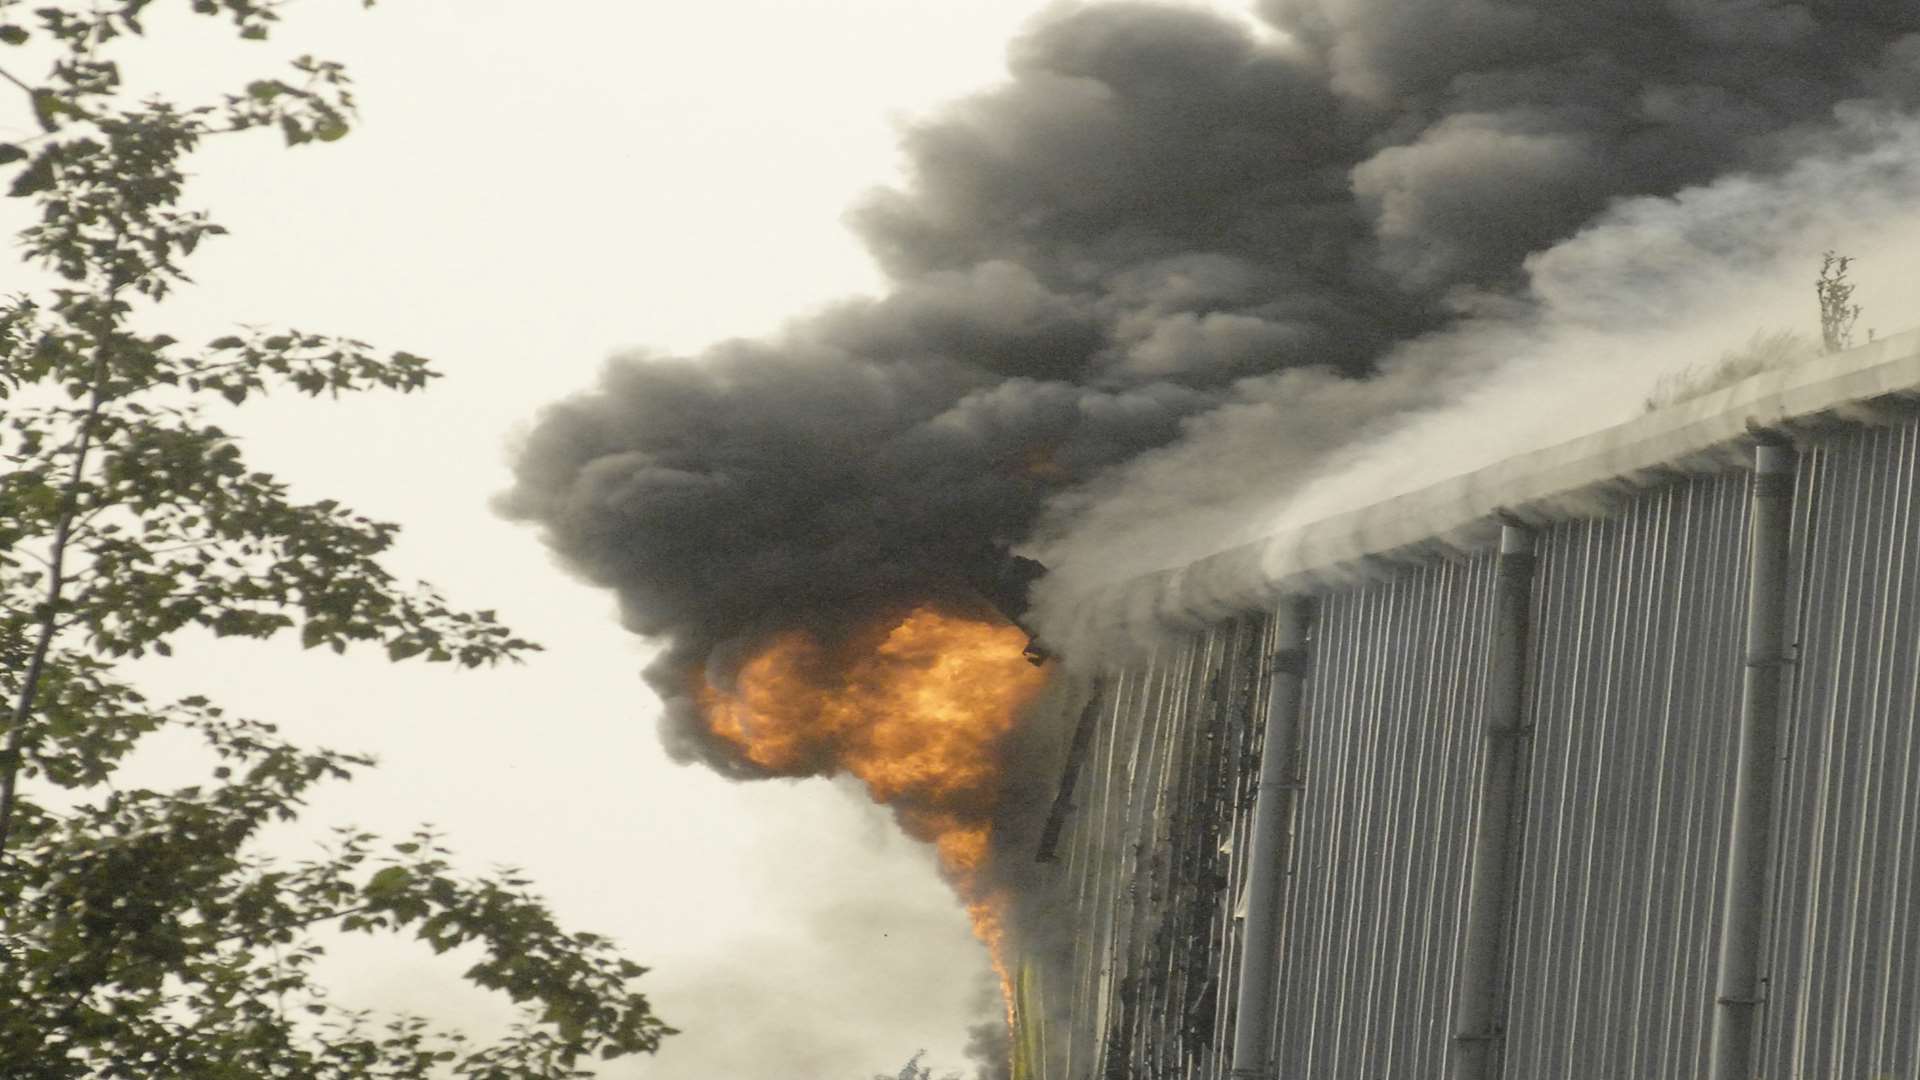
(1161, 218)
(1658, 294)
(989, 1050)
(766, 1009)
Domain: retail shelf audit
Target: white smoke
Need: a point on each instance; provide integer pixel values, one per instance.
(1651, 290)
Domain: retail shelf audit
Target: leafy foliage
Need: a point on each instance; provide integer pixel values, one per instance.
(1838, 312)
(145, 933)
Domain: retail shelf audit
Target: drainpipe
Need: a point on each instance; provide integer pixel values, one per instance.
(1479, 988)
(1267, 863)
(1740, 985)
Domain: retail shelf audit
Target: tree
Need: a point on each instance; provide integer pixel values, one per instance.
(1838, 312)
(145, 932)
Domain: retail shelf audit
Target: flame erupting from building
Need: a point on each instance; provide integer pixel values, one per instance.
(917, 709)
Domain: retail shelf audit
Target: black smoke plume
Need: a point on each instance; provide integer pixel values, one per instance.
(1161, 202)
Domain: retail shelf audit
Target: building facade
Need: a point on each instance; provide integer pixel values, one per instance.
(1597, 764)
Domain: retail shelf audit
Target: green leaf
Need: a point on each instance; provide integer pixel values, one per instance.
(13, 35)
(35, 178)
(400, 650)
(388, 882)
(10, 153)
(47, 108)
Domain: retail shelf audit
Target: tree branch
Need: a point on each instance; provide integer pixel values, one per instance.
(15, 80)
(13, 758)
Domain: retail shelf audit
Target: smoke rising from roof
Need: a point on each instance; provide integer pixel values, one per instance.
(1160, 222)
(1644, 298)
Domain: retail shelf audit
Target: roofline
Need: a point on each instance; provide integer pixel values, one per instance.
(1583, 477)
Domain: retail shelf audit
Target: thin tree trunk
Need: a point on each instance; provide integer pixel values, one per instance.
(14, 756)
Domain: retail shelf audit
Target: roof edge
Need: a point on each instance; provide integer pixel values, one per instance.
(1583, 477)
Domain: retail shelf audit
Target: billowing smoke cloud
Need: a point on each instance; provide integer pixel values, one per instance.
(1658, 295)
(1161, 222)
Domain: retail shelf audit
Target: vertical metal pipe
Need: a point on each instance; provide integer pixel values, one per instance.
(1480, 982)
(1253, 1057)
(1739, 989)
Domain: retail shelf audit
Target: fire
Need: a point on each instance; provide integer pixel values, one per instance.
(919, 715)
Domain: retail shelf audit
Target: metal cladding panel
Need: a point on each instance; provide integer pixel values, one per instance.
(1638, 652)
(1240, 732)
(1147, 860)
(1093, 868)
(1636, 655)
(1389, 741)
(1844, 992)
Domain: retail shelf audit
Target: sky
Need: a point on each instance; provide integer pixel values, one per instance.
(530, 190)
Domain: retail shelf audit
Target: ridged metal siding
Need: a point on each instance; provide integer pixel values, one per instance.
(1844, 996)
(1390, 739)
(1636, 689)
(1637, 657)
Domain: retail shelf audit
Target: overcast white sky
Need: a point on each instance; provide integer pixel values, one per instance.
(534, 187)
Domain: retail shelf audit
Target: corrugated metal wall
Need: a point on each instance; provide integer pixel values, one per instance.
(1637, 656)
(1389, 742)
(1845, 973)
(1638, 630)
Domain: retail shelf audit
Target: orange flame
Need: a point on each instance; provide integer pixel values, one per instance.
(920, 718)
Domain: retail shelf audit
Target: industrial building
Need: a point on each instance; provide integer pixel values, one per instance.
(1598, 763)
